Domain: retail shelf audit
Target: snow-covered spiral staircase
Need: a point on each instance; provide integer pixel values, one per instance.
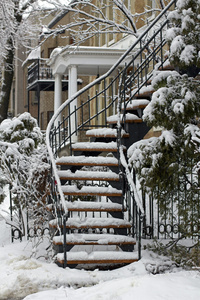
(96, 208)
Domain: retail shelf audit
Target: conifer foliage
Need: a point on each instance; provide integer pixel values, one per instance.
(184, 36)
(168, 165)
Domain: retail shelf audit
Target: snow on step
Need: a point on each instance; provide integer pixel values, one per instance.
(99, 257)
(95, 146)
(90, 190)
(136, 103)
(166, 66)
(97, 239)
(145, 90)
(93, 206)
(93, 223)
(86, 175)
(129, 118)
(85, 160)
(105, 132)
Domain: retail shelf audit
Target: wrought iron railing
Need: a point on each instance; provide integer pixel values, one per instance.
(175, 213)
(39, 71)
(105, 96)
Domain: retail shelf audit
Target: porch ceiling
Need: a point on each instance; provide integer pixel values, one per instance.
(89, 60)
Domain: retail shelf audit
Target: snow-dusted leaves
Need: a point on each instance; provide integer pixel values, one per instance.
(24, 166)
(174, 105)
(184, 35)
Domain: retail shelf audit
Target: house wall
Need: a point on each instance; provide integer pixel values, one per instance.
(64, 38)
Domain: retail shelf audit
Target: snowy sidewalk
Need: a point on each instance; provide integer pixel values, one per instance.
(21, 276)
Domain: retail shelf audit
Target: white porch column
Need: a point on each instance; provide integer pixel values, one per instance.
(58, 93)
(72, 89)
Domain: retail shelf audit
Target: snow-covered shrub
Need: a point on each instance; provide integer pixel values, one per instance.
(168, 165)
(184, 36)
(24, 166)
(183, 255)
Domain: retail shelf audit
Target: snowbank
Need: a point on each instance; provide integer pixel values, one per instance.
(170, 286)
(22, 276)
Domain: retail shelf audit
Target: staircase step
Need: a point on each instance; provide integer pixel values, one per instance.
(87, 223)
(130, 118)
(90, 191)
(136, 104)
(166, 66)
(105, 132)
(95, 146)
(90, 206)
(87, 161)
(94, 239)
(145, 91)
(88, 175)
(93, 206)
(98, 257)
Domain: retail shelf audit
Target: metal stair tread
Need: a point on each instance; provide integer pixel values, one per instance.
(166, 66)
(105, 132)
(94, 239)
(93, 206)
(88, 175)
(130, 118)
(144, 91)
(95, 146)
(93, 223)
(136, 104)
(90, 190)
(87, 161)
(82, 257)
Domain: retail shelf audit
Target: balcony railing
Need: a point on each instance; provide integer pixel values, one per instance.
(39, 71)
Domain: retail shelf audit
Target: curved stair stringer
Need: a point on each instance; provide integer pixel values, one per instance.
(111, 137)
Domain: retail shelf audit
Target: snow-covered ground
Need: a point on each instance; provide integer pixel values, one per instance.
(22, 276)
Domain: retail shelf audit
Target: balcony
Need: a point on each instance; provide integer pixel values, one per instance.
(40, 76)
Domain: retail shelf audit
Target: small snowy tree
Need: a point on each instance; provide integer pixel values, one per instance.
(95, 18)
(184, 36)
(168, 165)
(21, 22)
(24, 167)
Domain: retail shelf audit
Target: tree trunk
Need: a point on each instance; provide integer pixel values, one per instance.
(8, 74)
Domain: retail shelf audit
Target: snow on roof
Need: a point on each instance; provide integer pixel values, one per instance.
(33, 55)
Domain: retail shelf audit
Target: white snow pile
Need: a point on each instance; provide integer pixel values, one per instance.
(25, 274)
(21, 276)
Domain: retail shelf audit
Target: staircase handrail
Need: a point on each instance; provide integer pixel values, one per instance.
(89, 86)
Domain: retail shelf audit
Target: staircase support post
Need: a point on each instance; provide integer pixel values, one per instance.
(139, 235)
(71, 91)
(58, 94)
(64, 241)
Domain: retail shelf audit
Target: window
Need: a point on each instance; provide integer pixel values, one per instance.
(50, 50)
(49, 115)
(42, 121)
